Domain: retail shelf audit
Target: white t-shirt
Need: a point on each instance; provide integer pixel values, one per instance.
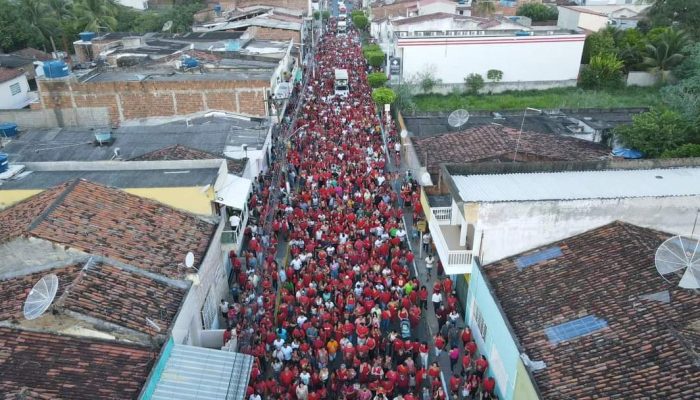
(437, 297)
(235, 220)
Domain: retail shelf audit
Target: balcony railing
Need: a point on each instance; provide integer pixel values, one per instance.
(442, 215)
(455, 259)
(229, 237)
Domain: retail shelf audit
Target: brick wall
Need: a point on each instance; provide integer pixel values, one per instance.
(136, 100)
(259, 32)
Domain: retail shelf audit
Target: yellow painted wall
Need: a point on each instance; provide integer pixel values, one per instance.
(524, 389)
(10, 197)
(190, 199)
(425, 204)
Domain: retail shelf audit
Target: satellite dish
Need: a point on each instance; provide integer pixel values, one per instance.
(458, 118)
(680, 255)
(404, 133)
(167, 26)
(189, 260)
(40, 297)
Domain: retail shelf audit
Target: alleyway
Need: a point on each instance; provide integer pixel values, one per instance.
(329, 297)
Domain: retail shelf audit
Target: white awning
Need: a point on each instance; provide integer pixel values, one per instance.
(197, 373)
(234, 192)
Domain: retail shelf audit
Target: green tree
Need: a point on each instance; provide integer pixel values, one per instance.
(427, 80)
(95, 15)
(683, 14)
(654, 132)
(538, 12)
(376, 79)
(684, 97)
(474, 83)
(598, 43)
(40, 19)
(376, 59)
(665, 51)
(383, 96)
(370, 48)
(15, 34)
(494, 75)
(361, 22)
(604, 71)
(683, 151)
(630, 45)
(691, 63)
(355, 13)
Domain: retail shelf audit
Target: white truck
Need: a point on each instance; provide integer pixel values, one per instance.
(342, 86)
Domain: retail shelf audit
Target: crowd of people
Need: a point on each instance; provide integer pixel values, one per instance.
(340, 319)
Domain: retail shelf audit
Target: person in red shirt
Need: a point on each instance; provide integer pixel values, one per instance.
(439, 342)
(455, 383)
(481, 366)
(471, 348)
(447, 285)
(466, 364)
(489, 385)
(466, 336)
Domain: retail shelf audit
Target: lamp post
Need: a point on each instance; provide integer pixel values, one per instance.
(517, 143)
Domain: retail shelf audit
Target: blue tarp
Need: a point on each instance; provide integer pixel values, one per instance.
(627, 153)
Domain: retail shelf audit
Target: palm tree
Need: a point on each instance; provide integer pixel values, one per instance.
(63, 12)
(38, 18)
(665, 51)
(95, 15)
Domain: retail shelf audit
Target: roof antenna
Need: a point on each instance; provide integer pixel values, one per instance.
(680, 256)
(40, 297)
(458, 117)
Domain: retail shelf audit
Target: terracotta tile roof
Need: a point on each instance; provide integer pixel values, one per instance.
(103, 292)
(14, 291)
(65, 367)
(491, 143)
(646, 349)
(111, 223)
(33, 54)
(6, 74)
(180, 152)
(124, 298)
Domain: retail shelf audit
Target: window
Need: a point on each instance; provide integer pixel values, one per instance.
(573, 329)
(479, 321)
(209, 311)
(15, 88)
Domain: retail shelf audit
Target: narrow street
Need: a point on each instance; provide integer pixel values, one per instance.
(334, 256)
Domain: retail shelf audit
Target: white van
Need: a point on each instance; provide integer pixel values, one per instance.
(342, 29)
(342, 86)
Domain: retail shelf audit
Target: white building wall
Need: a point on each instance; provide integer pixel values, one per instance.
(8, 101)
(510, 228)
(591, 22)
(446, 7)
(568, 18)
(137, 4)
(212, 277)
(522, 59)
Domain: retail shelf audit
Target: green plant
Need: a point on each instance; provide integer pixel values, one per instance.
(383, 96)
(665, 51)
(494, 75)
(654, 132)
(426, 80)
(603, 72)
(474, 82)
(370, 48)
(684, 97)
(361, 22)
(682, 13)
(683, 151)
(538, 12)
(376, 59)
(354, 13)
(376, 79)
(598, 43)
(404, 97)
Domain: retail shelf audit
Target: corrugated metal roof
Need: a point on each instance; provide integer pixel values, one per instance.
(198, 373)
(579, 185)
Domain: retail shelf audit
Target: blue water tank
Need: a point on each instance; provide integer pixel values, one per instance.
(190, 62)
(217, 9)
(523, 33)
(86, 36)
(233, 45)
(56, 69)
(8, 129)
(4, 164)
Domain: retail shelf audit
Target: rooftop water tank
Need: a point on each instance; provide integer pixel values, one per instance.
(217, 9)
(190, 62)
(8, 129)
(86, 36)
(523, 33)
(56, 69)
(233, 45)
(4, 164)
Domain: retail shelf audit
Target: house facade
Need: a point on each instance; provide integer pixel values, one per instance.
(14, 89)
